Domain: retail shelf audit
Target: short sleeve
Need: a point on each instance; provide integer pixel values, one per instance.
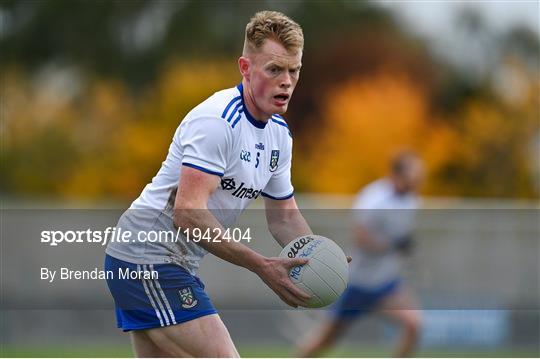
(280, 187)
(205, 144)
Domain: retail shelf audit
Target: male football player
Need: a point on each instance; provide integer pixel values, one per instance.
(383, 215)
(229, 150)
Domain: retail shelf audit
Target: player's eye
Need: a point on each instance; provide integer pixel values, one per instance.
(274, 70)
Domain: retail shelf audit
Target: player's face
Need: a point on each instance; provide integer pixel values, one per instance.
(271, 78)
(411, 179)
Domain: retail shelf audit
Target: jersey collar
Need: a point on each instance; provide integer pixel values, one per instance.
(250, 118)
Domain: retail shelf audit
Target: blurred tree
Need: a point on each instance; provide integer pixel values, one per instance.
(102, 142)
(483, 151)
(365, 122)
(92, 93)
(492, 157)
(131, 39)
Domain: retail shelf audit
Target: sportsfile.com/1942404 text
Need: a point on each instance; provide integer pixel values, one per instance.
(117, 234)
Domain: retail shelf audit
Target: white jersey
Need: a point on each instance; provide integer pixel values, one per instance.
(387, 215)
(219, 137)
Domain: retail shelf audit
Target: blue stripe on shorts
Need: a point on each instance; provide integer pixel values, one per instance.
(171, 296)
(357, 300)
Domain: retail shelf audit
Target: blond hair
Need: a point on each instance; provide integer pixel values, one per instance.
(273, 25)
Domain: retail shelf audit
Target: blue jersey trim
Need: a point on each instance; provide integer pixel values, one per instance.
(237, 118)
(277, 198)
(229, 105)
(237, 108)
(187, 164)
(282, 124)
(250, 118)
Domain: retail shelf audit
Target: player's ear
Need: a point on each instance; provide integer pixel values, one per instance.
(244, 65)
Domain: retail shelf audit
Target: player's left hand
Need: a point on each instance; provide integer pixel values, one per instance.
(275, 273)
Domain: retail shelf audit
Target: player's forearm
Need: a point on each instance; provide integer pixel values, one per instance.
(233, 252)
(288, 226)
(236, 253)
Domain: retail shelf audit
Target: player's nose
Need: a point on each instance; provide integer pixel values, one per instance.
(286, 80)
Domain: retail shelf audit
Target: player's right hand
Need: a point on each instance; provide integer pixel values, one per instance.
(275, 273)
(404, 244)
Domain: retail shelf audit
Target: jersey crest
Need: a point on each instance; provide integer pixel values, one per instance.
(274, 158)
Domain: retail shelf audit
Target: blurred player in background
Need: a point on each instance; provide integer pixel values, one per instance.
(228, 151)
(383, 221)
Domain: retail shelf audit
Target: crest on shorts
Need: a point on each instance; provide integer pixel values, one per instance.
(274, 158)
(187, 297)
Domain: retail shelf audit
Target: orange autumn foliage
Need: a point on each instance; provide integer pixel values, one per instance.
(365, 121)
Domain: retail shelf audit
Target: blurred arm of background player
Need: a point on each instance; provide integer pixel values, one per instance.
(191, 212)
(373, 242)
(370, 241)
